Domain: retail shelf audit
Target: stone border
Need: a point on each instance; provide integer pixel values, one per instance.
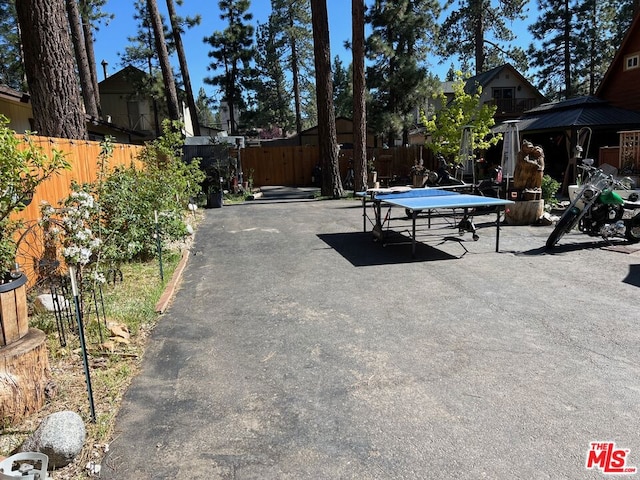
(171, 287)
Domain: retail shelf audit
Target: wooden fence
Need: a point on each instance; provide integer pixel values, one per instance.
(293, 166)
(83, 157)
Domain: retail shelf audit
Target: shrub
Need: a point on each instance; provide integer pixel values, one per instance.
(550, 187)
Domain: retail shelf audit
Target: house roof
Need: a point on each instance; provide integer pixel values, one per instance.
(485, 78)
(578, 112)
(15, 95)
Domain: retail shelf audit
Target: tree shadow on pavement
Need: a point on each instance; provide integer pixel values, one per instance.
(633, 278)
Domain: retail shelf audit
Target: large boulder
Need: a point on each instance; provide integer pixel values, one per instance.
(60, 436)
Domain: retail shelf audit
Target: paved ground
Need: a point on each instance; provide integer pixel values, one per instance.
(297, 348)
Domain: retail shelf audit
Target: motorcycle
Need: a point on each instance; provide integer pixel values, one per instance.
(598, 210)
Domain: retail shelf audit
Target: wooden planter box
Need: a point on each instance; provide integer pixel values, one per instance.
(14, 315)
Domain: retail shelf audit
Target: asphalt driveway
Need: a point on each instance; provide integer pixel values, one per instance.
(298, 348)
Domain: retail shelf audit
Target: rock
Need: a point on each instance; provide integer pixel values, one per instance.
(60, 436)
(47, 303)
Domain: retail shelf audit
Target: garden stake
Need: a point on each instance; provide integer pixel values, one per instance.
(159, 245)
(74, 288)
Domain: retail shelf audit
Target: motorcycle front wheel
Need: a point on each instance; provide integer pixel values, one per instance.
(564, 225)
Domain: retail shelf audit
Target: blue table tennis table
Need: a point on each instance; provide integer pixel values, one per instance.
(416, 200)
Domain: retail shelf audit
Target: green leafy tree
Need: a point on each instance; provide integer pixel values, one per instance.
(232, 52)
(445, 128)
(130, 198)
(23, 167)
(478, 29)
(397, 77)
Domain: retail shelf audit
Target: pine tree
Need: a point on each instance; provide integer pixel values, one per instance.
(272, 97)
(478, 29)
(171, 95)
(342, 89)
(232, 52)
(603, 24)
(82, 61)
(92, 16)
(398, 78)
(48, 59)
(176, 33)
(328, 138)
(359, 96)
(11, 67)
(203, 106)
(293, 20)
(578, 40)
(557, 32)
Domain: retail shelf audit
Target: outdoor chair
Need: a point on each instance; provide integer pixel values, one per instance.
(24, 466)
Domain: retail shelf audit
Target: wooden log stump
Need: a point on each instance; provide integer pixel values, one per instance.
(524, 212)
(24, 374)
(14, 312)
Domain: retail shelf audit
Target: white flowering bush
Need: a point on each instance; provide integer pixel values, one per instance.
(79, 217)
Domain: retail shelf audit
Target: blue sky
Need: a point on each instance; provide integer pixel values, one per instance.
(111, 39)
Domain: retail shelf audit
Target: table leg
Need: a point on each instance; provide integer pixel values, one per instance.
(364, 213)
(414, 214)
(498, 230)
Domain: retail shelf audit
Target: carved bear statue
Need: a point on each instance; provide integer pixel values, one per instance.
(529, 167)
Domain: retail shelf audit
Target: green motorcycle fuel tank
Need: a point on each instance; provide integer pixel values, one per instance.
(609, 197)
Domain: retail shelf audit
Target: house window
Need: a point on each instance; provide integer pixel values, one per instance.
(504, 99)
(500, 93)
(632, 61)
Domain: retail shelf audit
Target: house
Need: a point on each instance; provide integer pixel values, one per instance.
(502, 86)
(125, 104)
(620, 88)
(16, 106)
(588, 122)
(309, 137)
(620, 83)
(593, 123)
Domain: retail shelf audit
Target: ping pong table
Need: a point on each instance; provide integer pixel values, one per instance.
(416, 200)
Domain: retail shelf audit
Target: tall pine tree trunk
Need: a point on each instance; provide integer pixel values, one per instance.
(477, 6)
(186, 79)
(295, 71)
(328, 138)
(88, 47)
(163, 57)
(359, 102)
(567, 50)
(77, 37)
(48, 59)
